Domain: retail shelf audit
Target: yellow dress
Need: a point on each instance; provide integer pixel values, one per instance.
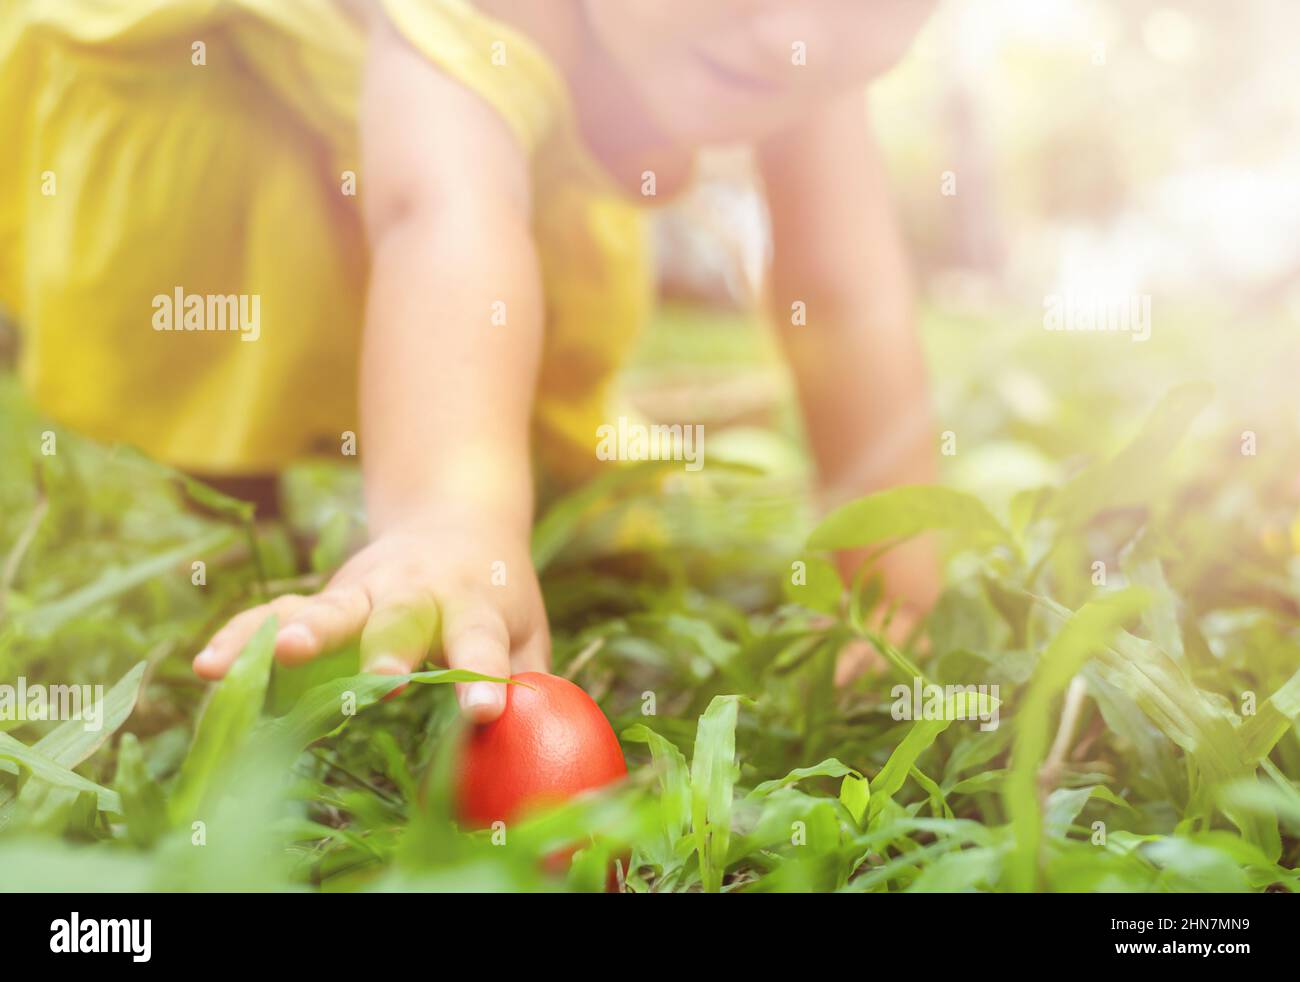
(208, 147)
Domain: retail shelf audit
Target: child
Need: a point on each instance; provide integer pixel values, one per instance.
(466, 180)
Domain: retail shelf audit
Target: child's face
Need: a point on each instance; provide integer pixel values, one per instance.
(718, 70)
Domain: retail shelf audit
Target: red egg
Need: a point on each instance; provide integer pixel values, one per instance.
(552, 742)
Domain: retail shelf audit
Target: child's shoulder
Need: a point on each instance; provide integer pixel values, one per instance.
(499, 63)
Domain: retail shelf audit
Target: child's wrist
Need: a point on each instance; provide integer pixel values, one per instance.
(489, 518)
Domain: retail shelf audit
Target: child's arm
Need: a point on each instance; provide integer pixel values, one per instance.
(446, 399)
(857, 361)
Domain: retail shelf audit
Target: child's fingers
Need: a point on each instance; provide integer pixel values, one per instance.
(215, 660)
(326, 621)
(399, 633)
(475, 638)
(534, 655)
(858, 658)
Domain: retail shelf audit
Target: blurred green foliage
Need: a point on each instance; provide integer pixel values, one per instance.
(673, 593)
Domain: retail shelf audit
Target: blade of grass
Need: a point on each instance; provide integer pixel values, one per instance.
(713, 778)
(325, 708)
(49, 617)
(1080, 639)
(225, 725)
(43, 769)
(69, 743)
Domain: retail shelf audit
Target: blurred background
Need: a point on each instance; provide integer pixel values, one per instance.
(1095, 144)
(1038, 148)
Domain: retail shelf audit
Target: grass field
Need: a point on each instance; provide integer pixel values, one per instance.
(1146, 707)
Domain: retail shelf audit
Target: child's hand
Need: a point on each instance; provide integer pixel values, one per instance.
(468, 594)
(912, 582)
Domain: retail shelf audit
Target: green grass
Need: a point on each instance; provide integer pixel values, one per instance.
(1147, 727)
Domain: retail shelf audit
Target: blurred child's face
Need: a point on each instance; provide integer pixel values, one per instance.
(718, 70)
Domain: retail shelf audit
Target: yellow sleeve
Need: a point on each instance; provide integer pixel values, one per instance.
(490, 58)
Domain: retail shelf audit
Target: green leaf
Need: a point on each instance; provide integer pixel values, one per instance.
(1279, 798)
(713, 778)
(49, 617)
(1064, 805)
(1191, 866)
(206, 496)
(674, 780)
(327, 707)
(938, 801)
(1160, 618)
(957, 704)
(958, 871)
(225, 725)
(830, 767)
(69, 743)
(855, 795)
(818, 588)
(289, 683)
(144, 806)
(1083, 637)
(43, 769)
(1132, 476)
(920, 735)
(1205, 730)
(900, 513)
(1273, 720)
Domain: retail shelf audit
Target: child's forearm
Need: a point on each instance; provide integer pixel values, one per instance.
(865, 403)
(454, 315)
(855, 354)
(452, 340)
